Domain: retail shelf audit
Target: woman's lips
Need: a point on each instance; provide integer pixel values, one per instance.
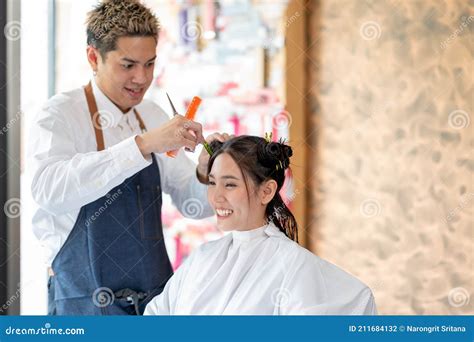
(224, 213)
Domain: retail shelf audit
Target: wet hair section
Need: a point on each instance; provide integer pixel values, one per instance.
(260, 161)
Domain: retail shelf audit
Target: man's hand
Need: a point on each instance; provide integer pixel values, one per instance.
(204, 156)
(176, 133)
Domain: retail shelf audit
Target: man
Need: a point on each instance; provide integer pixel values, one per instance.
(98, 162)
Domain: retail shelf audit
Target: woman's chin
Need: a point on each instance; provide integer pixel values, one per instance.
(225, 225)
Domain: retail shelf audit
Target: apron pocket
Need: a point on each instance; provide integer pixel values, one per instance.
(149, 206)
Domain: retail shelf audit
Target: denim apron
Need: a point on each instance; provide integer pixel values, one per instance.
(114, 261)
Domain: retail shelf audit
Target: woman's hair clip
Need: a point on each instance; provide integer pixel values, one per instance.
(268, 137)
(281, 165)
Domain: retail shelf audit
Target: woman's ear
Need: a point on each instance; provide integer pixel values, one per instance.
(267, 191)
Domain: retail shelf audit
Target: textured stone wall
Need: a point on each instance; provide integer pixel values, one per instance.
(391, 105)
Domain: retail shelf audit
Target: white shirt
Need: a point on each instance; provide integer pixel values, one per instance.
(260, 272)
(67, 172)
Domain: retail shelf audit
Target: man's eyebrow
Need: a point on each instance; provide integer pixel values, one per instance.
(134, 61)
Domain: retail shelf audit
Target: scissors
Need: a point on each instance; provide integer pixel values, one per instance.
(175, 112)
(172, 107)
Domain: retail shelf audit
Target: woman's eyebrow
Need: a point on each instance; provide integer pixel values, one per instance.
(229, 177)
(224, 177)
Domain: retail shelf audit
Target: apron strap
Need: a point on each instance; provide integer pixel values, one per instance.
(95, 116)
(140, 120)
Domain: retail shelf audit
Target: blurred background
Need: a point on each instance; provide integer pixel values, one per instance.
(375, 97)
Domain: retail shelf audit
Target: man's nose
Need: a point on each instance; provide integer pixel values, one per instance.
(139, 75)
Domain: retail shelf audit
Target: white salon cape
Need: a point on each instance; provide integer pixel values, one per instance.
(260, 272)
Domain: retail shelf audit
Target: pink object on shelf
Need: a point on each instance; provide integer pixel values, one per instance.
(235, 120)
(226, 87)
(263, 96)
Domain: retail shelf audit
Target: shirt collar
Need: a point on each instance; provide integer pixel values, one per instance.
(111, 115)
(247, 235)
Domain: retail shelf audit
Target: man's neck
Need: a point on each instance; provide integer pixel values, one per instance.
(126, 110)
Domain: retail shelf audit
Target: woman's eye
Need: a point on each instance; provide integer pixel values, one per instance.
(230, 185)
(211, 183)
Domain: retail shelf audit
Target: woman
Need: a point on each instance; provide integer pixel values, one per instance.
(258, 268)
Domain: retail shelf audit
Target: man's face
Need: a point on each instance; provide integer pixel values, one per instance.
(127, 72)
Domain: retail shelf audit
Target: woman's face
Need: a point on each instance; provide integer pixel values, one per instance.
(235, 208)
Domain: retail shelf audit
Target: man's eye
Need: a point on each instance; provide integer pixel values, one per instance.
(127, 66)
(211, 183)
(150, 64)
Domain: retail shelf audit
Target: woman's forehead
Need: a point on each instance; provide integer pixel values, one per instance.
(225, 165)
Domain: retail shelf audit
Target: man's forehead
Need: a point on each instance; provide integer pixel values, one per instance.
(133, 56)
(135, 48)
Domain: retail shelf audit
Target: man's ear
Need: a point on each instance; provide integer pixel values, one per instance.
(93, 57)
(267, 191)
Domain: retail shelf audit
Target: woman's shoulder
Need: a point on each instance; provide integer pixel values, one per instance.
(302, 262)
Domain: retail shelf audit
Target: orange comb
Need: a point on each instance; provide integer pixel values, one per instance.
(190, 114)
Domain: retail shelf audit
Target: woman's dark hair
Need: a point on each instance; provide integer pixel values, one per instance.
(261, 161)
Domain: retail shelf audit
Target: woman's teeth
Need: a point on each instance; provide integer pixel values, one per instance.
(224, 212)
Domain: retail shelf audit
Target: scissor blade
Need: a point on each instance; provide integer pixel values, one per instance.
(171, 104)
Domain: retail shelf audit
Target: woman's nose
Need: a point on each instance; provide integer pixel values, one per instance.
(219, 196)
